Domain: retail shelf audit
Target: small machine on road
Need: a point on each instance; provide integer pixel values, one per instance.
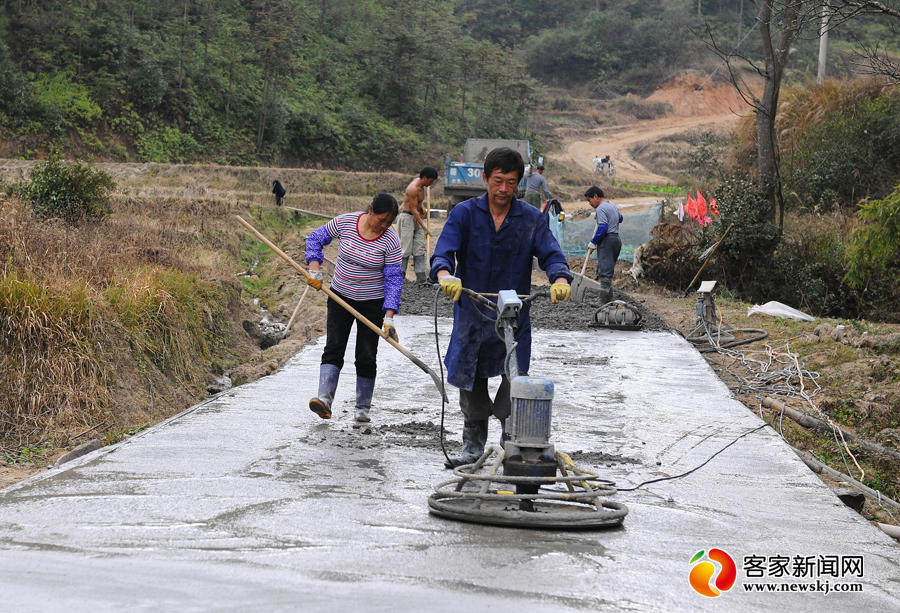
(525, 482)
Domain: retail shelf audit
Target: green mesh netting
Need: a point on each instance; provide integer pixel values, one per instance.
(573, 236)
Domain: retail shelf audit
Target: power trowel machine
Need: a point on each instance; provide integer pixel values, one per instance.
(525, 482)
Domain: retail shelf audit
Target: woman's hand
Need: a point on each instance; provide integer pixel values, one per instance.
(390, 331)
(314, 280)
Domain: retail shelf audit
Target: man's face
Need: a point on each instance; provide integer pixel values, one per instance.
(595, 201)
(428, 181)
(501, 187)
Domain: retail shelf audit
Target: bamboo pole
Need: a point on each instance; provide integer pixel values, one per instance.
(820, 467)
(296, 309)
(359, 316)
(817, 424)
(708, 258)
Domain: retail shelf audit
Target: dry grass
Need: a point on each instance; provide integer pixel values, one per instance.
(117, 323)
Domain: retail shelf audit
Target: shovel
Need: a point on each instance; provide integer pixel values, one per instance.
(581, 284)
(359, 316)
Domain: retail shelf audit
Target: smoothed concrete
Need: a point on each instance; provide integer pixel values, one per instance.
(249, 501)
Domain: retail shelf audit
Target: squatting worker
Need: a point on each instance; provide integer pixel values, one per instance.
(536, 187)
(367, 276)
(412, 224)
(606, 238)
(487, 245)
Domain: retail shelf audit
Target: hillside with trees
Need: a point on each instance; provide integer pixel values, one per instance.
(357, 84)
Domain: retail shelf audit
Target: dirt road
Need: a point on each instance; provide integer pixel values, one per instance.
(621, 141)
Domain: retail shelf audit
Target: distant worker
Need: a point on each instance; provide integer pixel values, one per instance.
(367, 276)
(607, 165)
(606, 238)
(487, 245)
(279, 192)
(598, 164)
(411, 224)
(536, 187)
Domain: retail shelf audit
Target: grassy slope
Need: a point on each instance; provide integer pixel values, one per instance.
(118, 324)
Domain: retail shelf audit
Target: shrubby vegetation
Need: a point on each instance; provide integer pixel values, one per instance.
(73, 192)
(873, 266)
(842, 145)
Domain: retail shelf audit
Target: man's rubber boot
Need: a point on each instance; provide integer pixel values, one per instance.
(404, 262)
(504, 435)
(419, 268)
(606, 293)
(364, 389)
(328, 380)
(474, 437)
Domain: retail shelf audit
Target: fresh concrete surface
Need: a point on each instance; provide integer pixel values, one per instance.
(251, 502)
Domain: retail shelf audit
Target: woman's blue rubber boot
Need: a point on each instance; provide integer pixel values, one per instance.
(328, 380)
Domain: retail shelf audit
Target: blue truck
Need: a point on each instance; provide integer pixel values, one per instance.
(462, 180)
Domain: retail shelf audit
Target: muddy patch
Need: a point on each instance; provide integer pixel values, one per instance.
(598, 458)
(353, 435)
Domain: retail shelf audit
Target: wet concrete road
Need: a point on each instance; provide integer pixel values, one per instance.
(250, 502)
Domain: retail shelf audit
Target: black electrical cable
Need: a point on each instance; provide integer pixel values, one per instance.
(437, 346)
(708, 460)
(619, 489)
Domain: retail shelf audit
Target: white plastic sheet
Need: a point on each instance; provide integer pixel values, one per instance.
(777, 309)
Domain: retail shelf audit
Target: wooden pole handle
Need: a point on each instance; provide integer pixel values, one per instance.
(359, 316)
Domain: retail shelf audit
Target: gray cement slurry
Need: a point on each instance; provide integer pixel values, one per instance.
(249, 501)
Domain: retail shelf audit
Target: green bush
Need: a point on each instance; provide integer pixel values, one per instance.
(65, 102)
(854, 153)
(72, 192)
(754, 236)
(873, 262)
(808, 267)
(169, 145)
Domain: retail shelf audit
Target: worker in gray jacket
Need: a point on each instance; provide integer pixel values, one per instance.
(606, 238)
(535, 187)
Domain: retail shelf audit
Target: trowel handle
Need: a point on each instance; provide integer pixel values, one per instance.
(587, 256)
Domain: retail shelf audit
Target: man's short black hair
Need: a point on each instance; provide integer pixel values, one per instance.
(385, 203)
(428, 173)
(592, 191)
(503, 159)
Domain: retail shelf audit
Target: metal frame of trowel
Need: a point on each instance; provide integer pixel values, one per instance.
(481, 493)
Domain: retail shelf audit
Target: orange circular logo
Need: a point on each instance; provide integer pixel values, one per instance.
(706, 579)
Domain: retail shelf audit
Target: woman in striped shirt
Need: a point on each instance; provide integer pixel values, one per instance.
(367, 275)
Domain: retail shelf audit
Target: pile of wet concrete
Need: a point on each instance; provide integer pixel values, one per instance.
(419, 299)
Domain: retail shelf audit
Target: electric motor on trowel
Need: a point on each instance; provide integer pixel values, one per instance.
(528, 452)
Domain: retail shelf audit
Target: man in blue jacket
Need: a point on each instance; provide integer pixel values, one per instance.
(487, 245)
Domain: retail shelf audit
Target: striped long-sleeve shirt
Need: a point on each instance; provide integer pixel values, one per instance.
(365, 269)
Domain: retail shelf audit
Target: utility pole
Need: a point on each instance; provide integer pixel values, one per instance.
(823, 44)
